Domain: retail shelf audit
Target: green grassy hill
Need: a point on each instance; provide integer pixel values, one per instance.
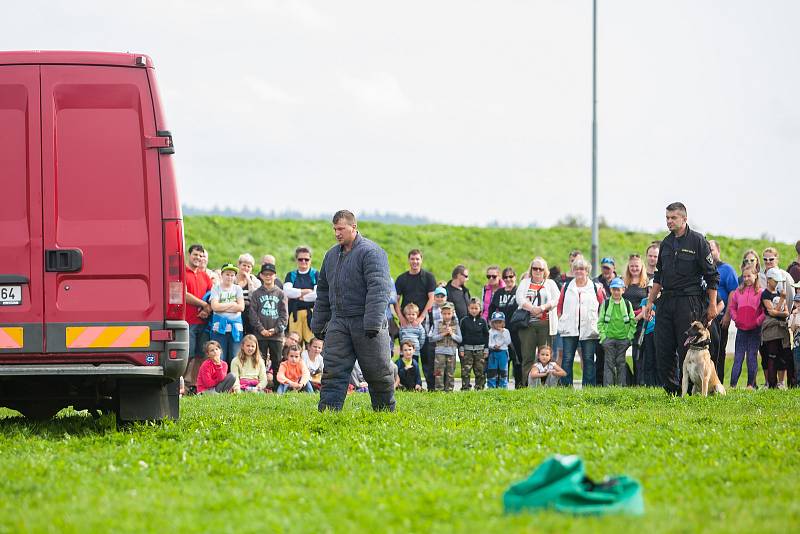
(443, 246)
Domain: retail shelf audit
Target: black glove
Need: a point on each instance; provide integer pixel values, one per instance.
(371, 334)
(319, 335)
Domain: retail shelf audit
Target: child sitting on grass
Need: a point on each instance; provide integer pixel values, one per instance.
(408, 369)
(414, 334)
(357, 383)
(499, 340)
(293, 374)
(213, 376)
(475, 336)
(446, 336)
(545, 372)
(249, 368)
(617, 326)
(313, 360)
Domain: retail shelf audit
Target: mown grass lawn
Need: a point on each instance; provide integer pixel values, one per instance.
(440, 463)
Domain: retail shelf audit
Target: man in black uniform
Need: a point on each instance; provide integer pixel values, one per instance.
(684, 262)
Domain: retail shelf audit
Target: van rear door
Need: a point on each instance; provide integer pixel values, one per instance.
(102, 231)
(20, 211)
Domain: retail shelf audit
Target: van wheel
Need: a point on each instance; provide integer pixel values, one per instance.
(39, 411)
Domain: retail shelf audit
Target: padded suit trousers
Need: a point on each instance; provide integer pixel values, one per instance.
(345, 342)
(673, 317)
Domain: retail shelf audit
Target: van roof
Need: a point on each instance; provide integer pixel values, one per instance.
(68, 57)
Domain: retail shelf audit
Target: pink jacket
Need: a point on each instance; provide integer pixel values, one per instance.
(745, 308)
(488, 293)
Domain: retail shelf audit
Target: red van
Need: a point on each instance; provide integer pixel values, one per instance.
(92, 296)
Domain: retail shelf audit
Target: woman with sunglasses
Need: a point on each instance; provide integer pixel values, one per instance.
(785, 286)
(505, 300)
(493, 283)
(537, 294)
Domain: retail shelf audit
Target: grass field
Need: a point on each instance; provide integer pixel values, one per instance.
(443, 246)
(440, 464)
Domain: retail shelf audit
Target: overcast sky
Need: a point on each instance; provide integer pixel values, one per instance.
(467, 112)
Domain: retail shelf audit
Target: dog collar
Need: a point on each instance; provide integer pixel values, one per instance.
(703, 344)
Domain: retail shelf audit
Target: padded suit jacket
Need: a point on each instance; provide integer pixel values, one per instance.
(353, 284)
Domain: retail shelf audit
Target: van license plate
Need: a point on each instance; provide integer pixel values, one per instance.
(10, 295)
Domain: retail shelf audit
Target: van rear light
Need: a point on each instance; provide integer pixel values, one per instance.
(174, 271)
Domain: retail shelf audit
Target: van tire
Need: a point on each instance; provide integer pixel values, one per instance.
(146, 400)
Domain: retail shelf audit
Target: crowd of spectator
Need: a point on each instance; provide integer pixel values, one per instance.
(250, 331)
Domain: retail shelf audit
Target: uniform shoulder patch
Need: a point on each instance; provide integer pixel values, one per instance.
(710, 259)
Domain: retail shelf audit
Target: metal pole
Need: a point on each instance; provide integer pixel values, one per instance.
(595, 228)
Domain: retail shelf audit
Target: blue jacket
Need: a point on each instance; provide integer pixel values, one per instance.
(353, 284)
(727, 281)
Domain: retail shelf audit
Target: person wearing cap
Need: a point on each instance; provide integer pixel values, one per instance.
(607, 274)
(350, 315)
(617, 326)
(776, 349)
(499, 340)
(268, 317)
(227, 303)
(684, 264)
(446, 337)
(505, 300)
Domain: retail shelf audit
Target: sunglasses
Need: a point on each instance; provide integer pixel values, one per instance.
(303, 259)
(491, 276)
(769, 259)
(633, 256)
(750, 260)
(537, 269)
(509, 276)
(465, 275)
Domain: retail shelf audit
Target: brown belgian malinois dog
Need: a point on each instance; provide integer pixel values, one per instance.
(697, 366)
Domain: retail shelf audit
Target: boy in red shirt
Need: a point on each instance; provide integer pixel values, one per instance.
(213, 376)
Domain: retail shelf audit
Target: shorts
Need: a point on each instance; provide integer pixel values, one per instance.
(301, 325)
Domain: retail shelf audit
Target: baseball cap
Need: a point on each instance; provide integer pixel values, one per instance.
(268, 268)
(440, 291)
(617, 282)
(607, 261)
(498, 316)
(775, 274)
(229, 267)
(446, 306)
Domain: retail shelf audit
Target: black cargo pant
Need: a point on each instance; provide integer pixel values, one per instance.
(719, 344)
(345, 342)
(674, 315)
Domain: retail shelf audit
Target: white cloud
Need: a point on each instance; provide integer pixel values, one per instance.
(269, 92)
(297, 10)
(379, 93)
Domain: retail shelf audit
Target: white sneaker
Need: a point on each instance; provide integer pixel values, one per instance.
(781, 385)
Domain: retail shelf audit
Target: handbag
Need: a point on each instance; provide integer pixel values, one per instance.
(519, 319)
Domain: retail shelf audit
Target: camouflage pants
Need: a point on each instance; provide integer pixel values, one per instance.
(473, 360)
(444, 369)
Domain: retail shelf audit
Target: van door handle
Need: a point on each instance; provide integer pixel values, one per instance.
(66, 260)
